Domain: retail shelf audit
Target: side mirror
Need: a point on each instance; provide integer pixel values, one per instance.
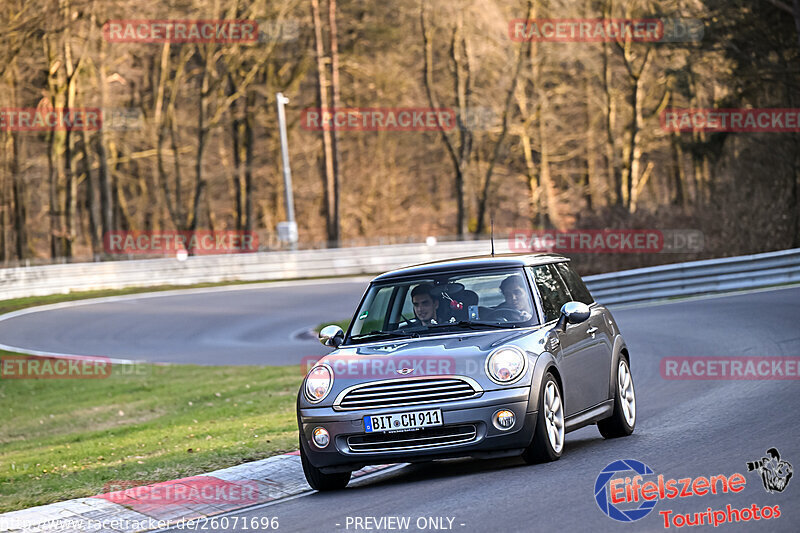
(331, 336)
(573, 313)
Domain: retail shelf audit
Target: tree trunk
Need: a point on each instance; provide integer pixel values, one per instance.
(614, 175)
(678, 172)
(106, 205)
(590, 163)
(19, 198)
(202, 137)
(336, 102)
(329, 181)
(159, 133)
(249, 101)
(203, 130)
(632, 151)
(4, 223)
(631, 154)
(91, 202)
(548, 187)
(237, 132)
(52, 195)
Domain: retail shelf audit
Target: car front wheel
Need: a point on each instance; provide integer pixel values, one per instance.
(318, 479)
(623, 419)
(548, 437)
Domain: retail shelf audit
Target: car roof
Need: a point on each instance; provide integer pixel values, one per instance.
(479, 262)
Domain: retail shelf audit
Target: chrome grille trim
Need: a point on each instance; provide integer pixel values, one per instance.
(448, 436)
(407, 391)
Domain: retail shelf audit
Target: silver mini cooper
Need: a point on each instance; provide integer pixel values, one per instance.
(485, 357)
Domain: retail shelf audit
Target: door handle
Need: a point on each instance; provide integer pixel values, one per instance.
(591, 331)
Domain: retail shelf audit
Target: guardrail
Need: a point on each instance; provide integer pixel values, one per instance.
(643, 284)
(696, 277)
(19, 282)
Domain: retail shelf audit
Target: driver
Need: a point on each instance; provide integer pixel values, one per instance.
(516, 296)
(425, 306)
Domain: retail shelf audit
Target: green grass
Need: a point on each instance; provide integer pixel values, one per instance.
(66, 438)
(63, 439)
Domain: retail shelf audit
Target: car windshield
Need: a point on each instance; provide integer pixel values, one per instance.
(412, 307)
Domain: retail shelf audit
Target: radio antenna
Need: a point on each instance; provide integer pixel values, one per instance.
(492, 223)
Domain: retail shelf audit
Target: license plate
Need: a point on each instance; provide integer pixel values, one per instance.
(403, 421)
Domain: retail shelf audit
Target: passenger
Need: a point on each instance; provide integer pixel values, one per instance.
(516, 297)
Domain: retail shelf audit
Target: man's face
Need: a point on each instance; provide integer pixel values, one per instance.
(424, 306)
(515, 296)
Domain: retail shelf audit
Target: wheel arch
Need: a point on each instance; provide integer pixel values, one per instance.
(620, 350)
(545, 363)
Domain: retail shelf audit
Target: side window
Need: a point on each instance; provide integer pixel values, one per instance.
(552, 290)
(577, 287)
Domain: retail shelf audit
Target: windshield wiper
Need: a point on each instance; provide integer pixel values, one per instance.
(475, 325)
(383, 335)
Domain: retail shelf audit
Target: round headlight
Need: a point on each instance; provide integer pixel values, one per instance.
(318, 383)
(505, 365)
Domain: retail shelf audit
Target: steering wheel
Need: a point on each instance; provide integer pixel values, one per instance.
(507, 314)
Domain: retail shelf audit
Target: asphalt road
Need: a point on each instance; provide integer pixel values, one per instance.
(243, 325)
(685, 429)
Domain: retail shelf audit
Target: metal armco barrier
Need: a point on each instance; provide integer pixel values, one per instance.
(696, 277)
(639, 285)
(267, 266)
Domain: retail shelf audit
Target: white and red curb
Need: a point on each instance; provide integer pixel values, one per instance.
(135, 510)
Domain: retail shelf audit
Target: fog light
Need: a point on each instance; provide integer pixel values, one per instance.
(504, 419)
(321, 437)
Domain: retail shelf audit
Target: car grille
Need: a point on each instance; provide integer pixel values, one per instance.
(397, 393)
(412, 440)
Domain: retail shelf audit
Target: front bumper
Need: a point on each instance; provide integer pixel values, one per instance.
(488, 441)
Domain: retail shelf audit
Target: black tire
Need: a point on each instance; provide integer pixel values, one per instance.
(319, 480)
(540, 450)
(617, 425)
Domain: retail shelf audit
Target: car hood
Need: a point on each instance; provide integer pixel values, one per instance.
(461, 354)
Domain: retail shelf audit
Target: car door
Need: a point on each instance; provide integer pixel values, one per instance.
(596, 359)
(578, 362)
(554, 294)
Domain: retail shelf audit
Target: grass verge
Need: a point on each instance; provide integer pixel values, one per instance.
(67, 438)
